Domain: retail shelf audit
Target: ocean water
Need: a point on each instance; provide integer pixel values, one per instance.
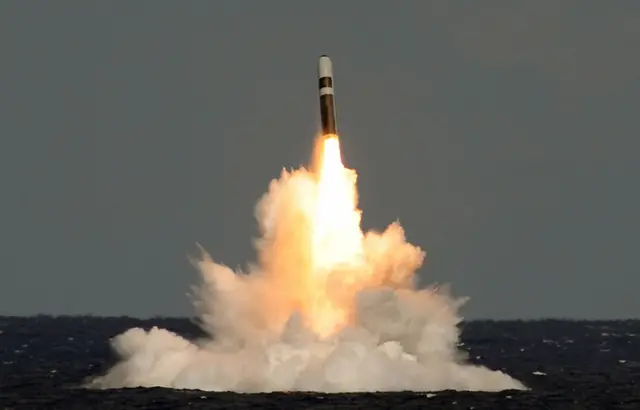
(566, 364)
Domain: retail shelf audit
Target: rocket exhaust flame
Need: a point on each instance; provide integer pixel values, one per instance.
(337, 238)
(327, 308)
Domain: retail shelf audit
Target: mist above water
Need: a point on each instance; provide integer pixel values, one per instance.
(292, 323)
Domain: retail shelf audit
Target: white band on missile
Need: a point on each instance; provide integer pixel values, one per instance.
(326, 90)
(324, 67)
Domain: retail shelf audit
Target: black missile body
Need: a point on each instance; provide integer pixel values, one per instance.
(327, 101)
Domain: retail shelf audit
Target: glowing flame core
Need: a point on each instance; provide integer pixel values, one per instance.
(336, 235)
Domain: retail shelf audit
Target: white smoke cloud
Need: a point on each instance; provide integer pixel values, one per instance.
(259, 340)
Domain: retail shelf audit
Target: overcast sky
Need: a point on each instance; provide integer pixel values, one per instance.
(503, 135)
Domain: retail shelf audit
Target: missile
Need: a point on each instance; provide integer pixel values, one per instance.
(327, 103)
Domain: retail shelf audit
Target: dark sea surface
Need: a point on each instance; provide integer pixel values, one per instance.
(567, 365)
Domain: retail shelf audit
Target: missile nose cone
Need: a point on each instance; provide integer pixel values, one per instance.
(325, 68)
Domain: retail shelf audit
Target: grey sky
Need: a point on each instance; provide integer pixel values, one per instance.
(503, 135)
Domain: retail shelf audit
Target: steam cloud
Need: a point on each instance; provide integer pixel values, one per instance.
(259, 340)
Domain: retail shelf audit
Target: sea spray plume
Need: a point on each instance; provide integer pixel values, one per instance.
(295, 322)
(246, 308)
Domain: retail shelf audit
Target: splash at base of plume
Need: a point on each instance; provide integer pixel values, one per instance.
(261, 325)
